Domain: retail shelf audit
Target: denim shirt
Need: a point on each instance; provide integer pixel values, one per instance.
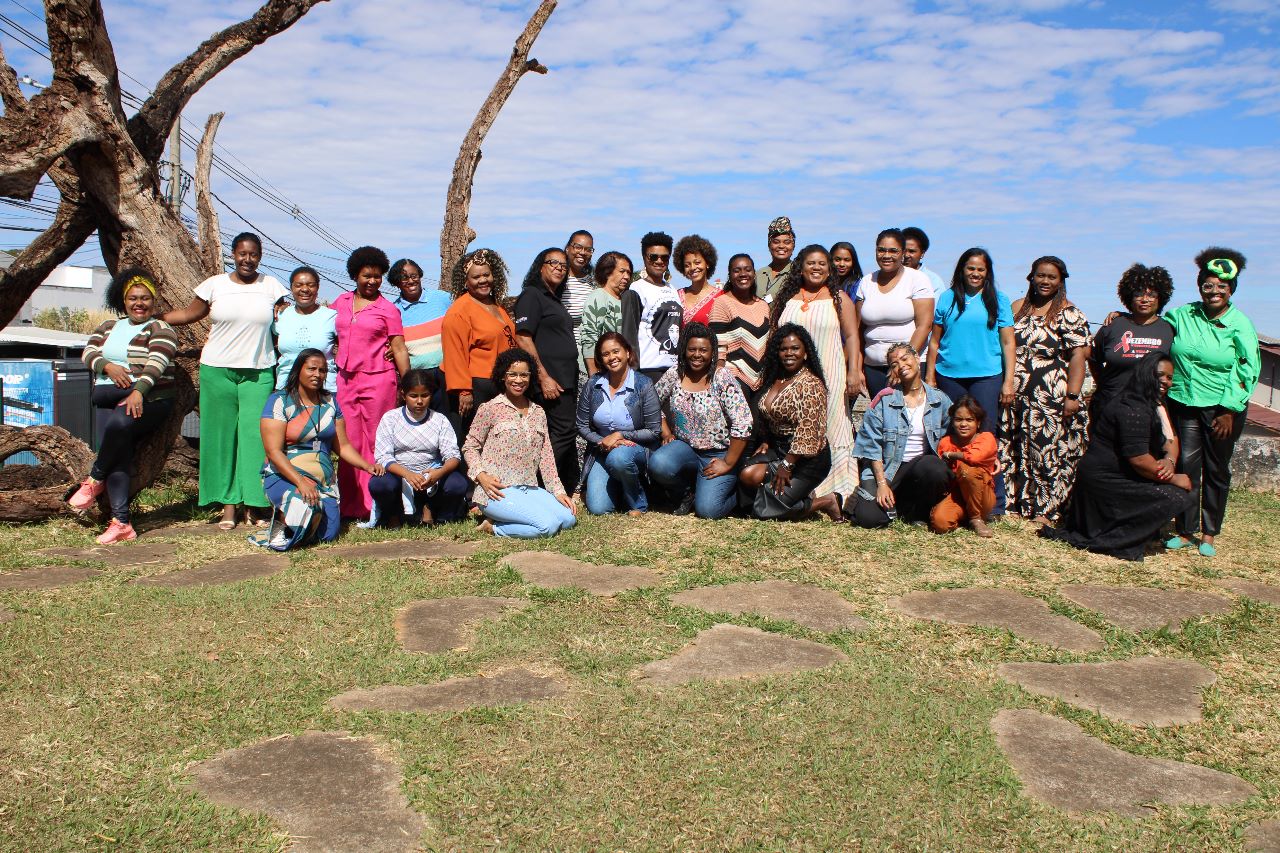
(642, 403)
(886, 427)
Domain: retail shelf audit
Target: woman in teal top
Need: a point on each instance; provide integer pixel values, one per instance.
(1216, 365)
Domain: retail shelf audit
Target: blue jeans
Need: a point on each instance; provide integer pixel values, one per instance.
(986, 390)
(614, 484)
(445, 501)
(527, 512)
(678, 467)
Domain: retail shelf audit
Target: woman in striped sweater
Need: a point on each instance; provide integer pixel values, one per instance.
(132, 358)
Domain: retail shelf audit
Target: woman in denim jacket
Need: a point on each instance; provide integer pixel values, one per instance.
(902, 475)
(619, 417)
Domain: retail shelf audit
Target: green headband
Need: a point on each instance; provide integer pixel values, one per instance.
(1224, 268)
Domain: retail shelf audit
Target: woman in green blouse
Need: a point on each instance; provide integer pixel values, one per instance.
(1216, 364)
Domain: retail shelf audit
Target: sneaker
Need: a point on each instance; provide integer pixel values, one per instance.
(85, 496)
(280, 539)
(117, 531)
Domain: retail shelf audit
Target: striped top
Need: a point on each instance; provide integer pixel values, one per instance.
(150, 356)
(743, 334)
(423, 323)
(417, 445)
(575, 293)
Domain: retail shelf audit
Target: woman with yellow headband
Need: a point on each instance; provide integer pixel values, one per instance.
(132, 358)
(1216, 365)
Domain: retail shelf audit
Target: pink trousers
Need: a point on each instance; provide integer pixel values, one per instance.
(364, 398)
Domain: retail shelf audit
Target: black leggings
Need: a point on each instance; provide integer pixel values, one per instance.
(118, 436)
(1207, 461)
(917, 486)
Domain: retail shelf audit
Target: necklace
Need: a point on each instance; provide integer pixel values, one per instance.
(805, 299)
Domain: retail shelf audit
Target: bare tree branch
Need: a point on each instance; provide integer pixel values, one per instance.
(457, 234)
(10, 94)
(151, 126)
(72, 225)
(206, 215)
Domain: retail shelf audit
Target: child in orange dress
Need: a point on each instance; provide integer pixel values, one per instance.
(971, 455)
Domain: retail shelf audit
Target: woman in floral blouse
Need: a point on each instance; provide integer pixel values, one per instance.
(794, 458)
(705, 427)
(506, 450)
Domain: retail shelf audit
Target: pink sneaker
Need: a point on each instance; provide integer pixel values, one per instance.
(117, 531)
(86, 494)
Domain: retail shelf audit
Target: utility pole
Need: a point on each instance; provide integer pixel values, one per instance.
(175, 167)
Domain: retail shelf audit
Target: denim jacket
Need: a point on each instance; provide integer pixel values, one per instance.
(884, 432)
(642, 404)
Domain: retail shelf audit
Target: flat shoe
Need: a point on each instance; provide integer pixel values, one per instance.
(1177, 542)
(1207, 550)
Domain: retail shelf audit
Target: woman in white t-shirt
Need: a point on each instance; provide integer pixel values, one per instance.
(894, 305)
(237, 376)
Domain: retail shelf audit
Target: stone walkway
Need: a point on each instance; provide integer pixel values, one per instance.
(510, 687)
(440, 624)
(333, 793)
(229, 570)
(732, 651)
(1263, 837)
(805, 604)
(405, 549)
(1023, 616)
(1146, 609)
(1251, 589)
(46, 577)
(549, 570)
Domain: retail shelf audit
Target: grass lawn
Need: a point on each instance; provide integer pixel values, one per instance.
(108, 691)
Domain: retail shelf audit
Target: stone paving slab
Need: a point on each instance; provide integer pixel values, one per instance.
(1252, 589)
(6, 616)
(332, 793)
(72, 552)
(230, 570)
(138, 554)
(805, 604)
(196, 531)
(46, 577)
(440, 624)
(549, 570)
(1061, 765)
(731, 651)
(405, 549)
(1144, 608)
(1263, 837)
(510, 687)
(1148, 691)
(1021, 615)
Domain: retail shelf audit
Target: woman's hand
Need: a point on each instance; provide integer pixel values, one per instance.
(567, 503)
(465, 403)
(1070, 408)
(1222, 425)
(1182, 481)
(1165, 469)
(375, 470)
(492, 486)
(551, 389)
(884, 495)
(308, 492)
(854, 384)
(417, 481)
(781, 479)
(615, 439)
(667, 435)
(117, 374)
(717, 468)
(132, 404)
(1007, 392)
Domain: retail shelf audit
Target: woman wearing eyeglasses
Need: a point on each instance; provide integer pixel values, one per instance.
(652, 313)
(895, 306)
(476, 329)
(1216, 365)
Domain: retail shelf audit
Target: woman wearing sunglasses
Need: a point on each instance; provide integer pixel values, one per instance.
(476, 329)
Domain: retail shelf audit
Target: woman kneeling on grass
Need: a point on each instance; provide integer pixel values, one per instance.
(506, 450)
(418, 450)
(302, 427)
(971, 455)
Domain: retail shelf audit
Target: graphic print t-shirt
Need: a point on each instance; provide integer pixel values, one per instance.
(1119, 346)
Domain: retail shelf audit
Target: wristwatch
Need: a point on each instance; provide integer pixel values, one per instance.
(1072, 396)
(785, 464)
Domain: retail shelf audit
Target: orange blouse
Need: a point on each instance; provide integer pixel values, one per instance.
(471, 338)
(980, 451)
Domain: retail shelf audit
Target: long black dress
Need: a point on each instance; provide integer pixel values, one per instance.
(1113, 509)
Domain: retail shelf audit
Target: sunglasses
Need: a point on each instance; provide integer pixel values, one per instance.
(655, 258)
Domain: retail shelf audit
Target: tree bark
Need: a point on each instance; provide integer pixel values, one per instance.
(210, 237)
(55, 447)
(457, 233)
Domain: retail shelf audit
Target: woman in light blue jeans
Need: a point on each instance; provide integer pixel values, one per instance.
(705, 426)
(618, 417)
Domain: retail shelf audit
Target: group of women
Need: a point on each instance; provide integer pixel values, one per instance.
(603, 380)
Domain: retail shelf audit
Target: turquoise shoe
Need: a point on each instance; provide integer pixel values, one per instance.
(1207, 550)
(1176, 542)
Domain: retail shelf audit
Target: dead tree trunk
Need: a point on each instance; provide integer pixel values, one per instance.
(457, 234)
(206, 215)
(106, 167)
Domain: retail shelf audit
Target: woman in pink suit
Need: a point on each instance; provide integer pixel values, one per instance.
(366, 323)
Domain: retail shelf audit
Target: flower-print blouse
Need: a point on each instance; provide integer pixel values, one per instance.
(798, 413)
(705, 420)
(511, 446)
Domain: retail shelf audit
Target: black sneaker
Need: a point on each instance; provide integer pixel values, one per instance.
(685, 506)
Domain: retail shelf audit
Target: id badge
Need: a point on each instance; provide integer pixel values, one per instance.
(317, 445)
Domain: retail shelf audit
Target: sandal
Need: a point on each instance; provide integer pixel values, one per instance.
(227, 524)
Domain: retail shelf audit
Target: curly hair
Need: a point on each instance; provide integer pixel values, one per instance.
(396, 274)
(119, 286)
(911, 232)
(497, 266)
(533, 278)
(367, 256)
(697, 245)
(295, 373)
(503, 363)
(1140, 277)
(688, 333)
(655, 238)
(607, 264)
(771, 367)
(795, 280)
(1213, 253)
(959, 283)
(1059, 300)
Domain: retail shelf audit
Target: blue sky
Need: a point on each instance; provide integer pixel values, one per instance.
(1105, 133)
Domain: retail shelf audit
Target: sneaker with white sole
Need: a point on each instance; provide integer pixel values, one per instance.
(87, 494)
(117, 531)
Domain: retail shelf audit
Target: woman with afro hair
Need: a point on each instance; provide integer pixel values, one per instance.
(1216, 365)
(1128, 336)
(367, 324)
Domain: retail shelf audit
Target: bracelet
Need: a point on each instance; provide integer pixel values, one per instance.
(785, 464)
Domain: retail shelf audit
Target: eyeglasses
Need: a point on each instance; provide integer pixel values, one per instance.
(578, 247)
(655, 258)
(880, 251)
(411, 277)
(555, 265)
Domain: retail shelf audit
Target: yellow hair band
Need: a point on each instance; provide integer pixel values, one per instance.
(140, 281)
